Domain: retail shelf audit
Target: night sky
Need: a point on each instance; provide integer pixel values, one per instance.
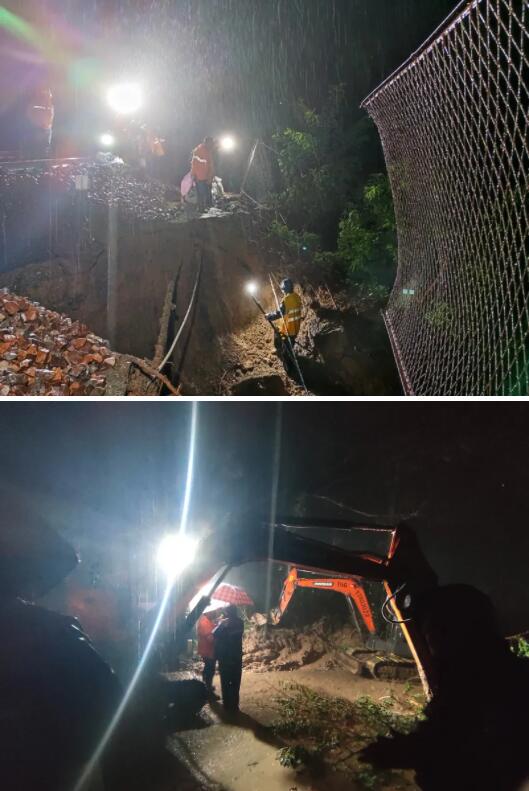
(208, 65)
(109, 470)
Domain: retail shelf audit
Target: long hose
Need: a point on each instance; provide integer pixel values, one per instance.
(184, 321)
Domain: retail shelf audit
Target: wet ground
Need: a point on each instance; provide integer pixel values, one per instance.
(240, 752)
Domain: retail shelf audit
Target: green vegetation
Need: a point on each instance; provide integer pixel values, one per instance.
(320, 728)
(292, 757)
(334, 208)
(520, 646)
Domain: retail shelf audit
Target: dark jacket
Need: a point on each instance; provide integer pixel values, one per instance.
(228, 639)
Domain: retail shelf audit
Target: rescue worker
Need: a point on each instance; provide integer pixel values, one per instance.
(39, 115)
(151, 152)
(228, 651)
(206, 648)
(288, 322)
(156, 155)
(203, 172)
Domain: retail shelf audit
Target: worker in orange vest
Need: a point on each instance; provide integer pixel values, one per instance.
(206, 648)
(40, 113)
(203, 172)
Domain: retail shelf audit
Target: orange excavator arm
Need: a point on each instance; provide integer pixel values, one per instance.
(406, 574)
(345, 585)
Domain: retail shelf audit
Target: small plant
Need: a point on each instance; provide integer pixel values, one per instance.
(292, 757)
(441, 316)
(300, 243)
(520, 647)
(367, 777)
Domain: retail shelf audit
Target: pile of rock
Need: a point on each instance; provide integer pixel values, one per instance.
(44, 353)
(274, 648)
(145, 200)
(118, 185)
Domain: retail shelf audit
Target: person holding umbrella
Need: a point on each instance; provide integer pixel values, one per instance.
(206, 646)
(228, 652)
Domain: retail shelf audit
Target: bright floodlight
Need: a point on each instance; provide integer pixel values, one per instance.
(125, 98)
(175, 553)
(227, 143)
(107, 140)
(251, 288)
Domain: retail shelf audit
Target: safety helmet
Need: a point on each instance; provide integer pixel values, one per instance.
(287, 286)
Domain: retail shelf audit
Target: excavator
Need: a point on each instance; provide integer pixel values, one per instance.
(435, 621)
(350, 587)
(403, 570)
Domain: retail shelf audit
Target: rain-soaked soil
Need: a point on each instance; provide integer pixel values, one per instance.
(117, 272)
(240, 752)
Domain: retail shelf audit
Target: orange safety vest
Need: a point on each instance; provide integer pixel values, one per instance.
(206, 646)
(155, 145)
(202, 163)
(291, 321)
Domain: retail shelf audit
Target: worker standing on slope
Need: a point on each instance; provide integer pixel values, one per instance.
(288, 321)
(203, 172)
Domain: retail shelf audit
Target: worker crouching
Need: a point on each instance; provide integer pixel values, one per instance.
(287, 321)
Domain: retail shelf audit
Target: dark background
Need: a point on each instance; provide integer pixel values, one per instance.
(108, 471)
(208, 66)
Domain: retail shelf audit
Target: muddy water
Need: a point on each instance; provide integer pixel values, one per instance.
(240, 753)
(232, 757)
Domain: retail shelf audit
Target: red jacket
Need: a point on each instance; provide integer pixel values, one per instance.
(206, 648)
(202, 163)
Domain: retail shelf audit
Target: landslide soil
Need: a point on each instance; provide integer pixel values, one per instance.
(223, 752)
(241, 753)
(342, 348)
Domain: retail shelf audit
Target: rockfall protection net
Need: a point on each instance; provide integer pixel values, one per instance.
(454, 127)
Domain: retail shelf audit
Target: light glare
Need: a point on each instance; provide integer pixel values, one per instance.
(107, 140)
(251, 288)
(227, 143)
(175, 553)
(125, 98)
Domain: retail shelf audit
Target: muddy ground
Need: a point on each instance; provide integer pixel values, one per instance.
(305, 714)
(342, 349)
(241, 752)
(118, 271)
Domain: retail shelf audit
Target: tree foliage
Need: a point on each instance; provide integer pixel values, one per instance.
(331, 198)
(367, 238)
(321, 163)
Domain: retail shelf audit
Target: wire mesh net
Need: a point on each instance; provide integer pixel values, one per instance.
(454, 127)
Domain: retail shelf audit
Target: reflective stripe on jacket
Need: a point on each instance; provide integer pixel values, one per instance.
(291, 310)
(202, 163)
